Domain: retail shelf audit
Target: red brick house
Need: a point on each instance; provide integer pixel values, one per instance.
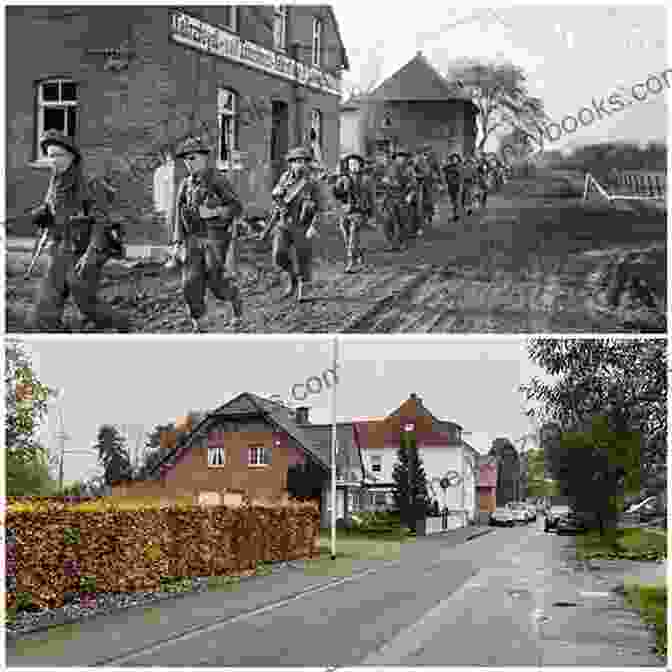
(246, 447)
(130, 81)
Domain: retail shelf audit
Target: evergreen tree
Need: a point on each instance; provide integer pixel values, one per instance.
(410, 481)
(113, 455)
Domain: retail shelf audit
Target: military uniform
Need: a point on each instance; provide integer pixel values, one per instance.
(470, 178)
(453, 175)
(298, 200)
(206, 206)
(400, 198)
(80, 241)
(356, 192)
(429, 176)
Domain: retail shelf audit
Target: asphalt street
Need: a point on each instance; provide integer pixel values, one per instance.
(489, 601)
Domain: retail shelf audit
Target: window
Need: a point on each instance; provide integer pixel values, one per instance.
(280, 27)
(56, 108)
(316, 128)
(231, 17)
(216, 456)
(259, 456)
(376, 463)
(317, 42)
(227, 107)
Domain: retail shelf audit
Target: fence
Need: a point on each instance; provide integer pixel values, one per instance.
(629, 185)
(447, 521)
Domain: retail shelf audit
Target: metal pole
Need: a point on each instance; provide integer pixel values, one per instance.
(333, 455)
(464, 485)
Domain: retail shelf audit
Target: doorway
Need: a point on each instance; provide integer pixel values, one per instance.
(279, 138)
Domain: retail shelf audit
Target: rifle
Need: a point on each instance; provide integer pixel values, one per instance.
(281, 207)
(37, 252)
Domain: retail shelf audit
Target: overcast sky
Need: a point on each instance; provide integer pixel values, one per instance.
(571, 53)
(148, 381)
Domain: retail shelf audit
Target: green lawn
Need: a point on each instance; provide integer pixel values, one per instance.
(651, 602)
(628, 543)
(350, 548)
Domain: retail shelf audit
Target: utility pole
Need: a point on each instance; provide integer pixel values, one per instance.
(62, 438)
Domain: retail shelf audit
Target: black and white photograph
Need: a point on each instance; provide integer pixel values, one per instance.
(354, 168)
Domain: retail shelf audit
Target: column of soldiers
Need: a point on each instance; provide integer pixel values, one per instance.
(399, 190)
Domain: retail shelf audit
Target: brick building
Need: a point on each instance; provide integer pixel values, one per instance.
(130, 82)
(417, 105)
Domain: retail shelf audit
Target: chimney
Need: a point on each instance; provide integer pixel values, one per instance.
(302, 415)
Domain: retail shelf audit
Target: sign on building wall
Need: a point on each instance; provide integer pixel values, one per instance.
(219, 42)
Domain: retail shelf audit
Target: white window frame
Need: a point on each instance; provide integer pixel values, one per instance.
(233, 24)
(318, 25)
(316, 125)
(216, 456)
(227, 126)
(256, 455)
(280, 17)
(376, 461)
(60, 104)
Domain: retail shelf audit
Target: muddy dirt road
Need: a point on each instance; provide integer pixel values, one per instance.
(536, 260)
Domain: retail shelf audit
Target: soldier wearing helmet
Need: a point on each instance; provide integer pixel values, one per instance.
(298, 205)
(79, 237)
(206, 210)
(356, 192)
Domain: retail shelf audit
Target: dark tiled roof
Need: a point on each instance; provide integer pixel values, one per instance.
(250, 404)
(418, 80)
(348, 455)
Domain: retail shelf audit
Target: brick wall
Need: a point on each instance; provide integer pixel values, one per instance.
(129, 118)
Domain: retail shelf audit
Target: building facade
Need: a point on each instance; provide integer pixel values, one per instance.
(130, 82)
(416, 106)
(487, 485)
(440, 446)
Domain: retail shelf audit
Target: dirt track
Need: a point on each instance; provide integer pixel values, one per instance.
(536, 261)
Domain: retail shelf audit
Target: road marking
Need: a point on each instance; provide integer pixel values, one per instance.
(594, 594)
(211, 627)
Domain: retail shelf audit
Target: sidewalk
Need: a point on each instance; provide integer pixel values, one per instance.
(109, 635)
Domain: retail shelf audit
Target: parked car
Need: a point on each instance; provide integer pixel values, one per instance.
(553, 514)
(531, 512)
(571, 523)
(502, 516)
(520, 515)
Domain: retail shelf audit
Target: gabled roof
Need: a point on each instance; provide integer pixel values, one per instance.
(344, 53)
(251, 405)
(418, 80)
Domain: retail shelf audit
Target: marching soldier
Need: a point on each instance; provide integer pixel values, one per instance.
(356, 191)
(429, 178)
(79, 240)
(401, 194)
(453, 175)
(469, 180)
(293, 224)
(484, 178)
(206, 207)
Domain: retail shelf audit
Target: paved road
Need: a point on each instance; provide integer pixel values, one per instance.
(530, 262)
(477, 603)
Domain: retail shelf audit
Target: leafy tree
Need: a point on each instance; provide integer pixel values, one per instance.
(595, 468)
(165, 438)
(625, 381)
(26, 399)
(410, 481)
(113, 455)
(499, 91)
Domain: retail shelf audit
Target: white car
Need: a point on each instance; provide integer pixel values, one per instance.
(502, 516)
(520, 515)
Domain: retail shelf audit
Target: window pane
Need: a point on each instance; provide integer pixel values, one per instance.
(69, 91)
(50, 92)
(54, 118)
(72, 122)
